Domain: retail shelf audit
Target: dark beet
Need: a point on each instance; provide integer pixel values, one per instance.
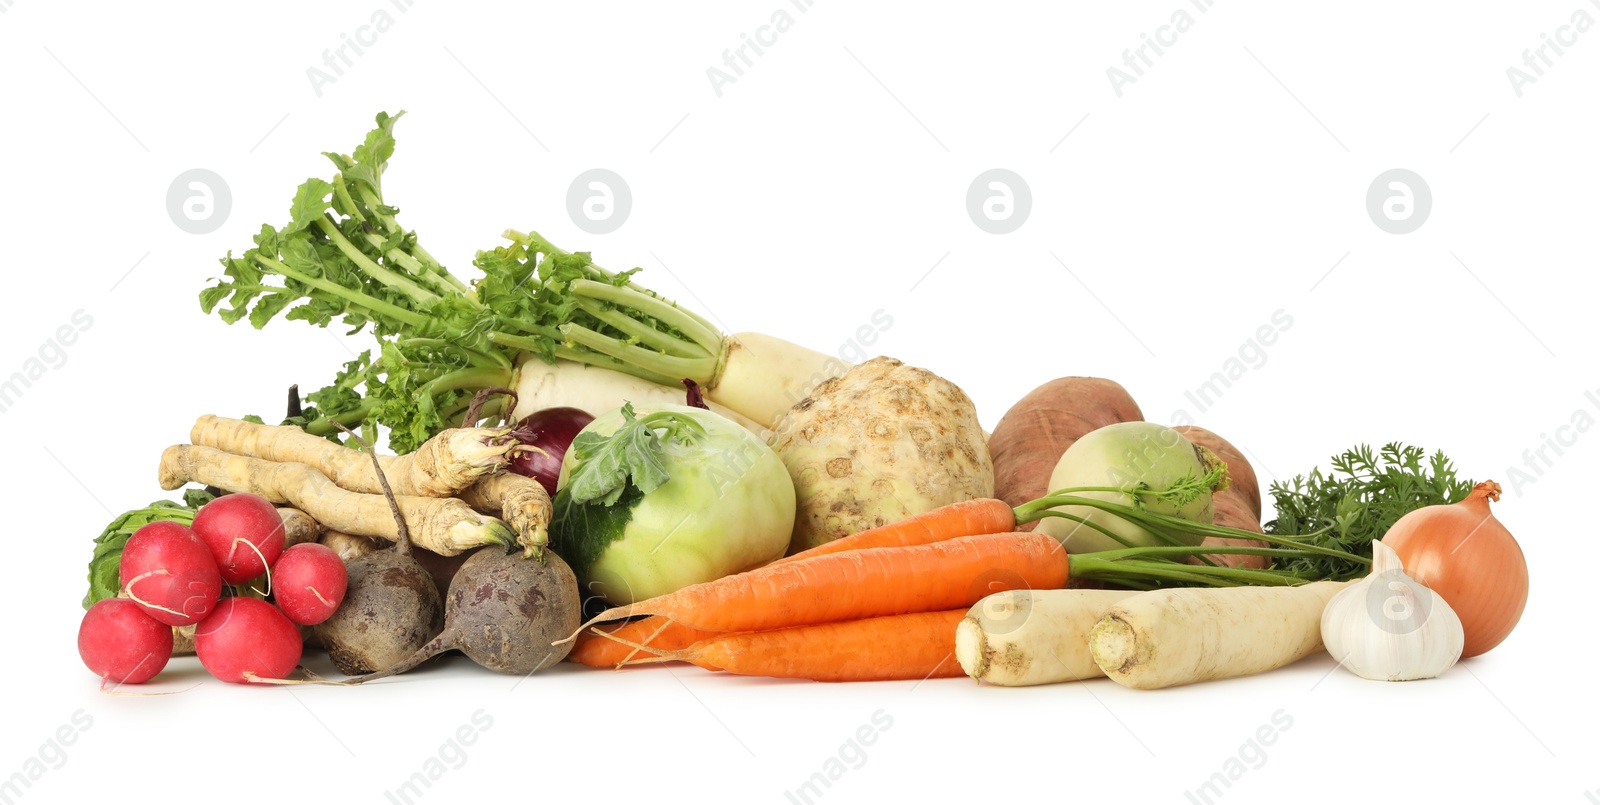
(391, 608)
(504, 611)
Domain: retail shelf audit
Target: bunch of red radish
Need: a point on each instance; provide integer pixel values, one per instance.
(173, 575)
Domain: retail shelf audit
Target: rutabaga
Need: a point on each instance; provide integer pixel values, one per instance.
(1389, 627)
(656, 500)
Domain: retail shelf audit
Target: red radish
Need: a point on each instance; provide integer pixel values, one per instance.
(247, 640)
(309, 582)
(245, 533)
(122, 644)
(169, 572)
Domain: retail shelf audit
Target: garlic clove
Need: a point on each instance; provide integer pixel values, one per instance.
(1388, 626)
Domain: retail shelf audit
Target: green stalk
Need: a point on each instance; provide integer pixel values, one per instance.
(1034, 509)
(372, 304)
(665, 312)
(383, 275)
(642, 332)
(389, 222)
(647, 360)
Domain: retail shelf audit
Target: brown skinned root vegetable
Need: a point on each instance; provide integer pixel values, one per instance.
(504, 612)
(443, 465)
(519, 500)
(391, 608)
(298, 527)
(350, 546)
(445, 526)
(1032, 435)
(879, 444)
(1238, 505)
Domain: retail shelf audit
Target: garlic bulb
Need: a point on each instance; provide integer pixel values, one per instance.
(1388, 626)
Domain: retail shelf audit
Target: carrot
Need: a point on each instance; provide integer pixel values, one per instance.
(912, 646)
(862, 584)
(983, 516)
(594, 650)
(969, 518)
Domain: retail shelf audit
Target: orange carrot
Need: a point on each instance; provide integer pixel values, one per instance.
(596, 651)
(914, 646)
(862, 584)
(969, 518)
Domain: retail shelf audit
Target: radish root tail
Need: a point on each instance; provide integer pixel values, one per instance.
(128, 588)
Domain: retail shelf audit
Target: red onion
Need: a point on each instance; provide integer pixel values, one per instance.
(545, 436)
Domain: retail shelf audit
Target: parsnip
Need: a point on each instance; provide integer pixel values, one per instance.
(447, 463)
(519, 500)
(1177, 636)
(298, 527)
(1033, 637)
(446, 526)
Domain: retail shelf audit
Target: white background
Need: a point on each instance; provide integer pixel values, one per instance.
(823, 185)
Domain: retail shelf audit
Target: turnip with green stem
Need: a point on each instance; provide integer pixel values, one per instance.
(1129, 460)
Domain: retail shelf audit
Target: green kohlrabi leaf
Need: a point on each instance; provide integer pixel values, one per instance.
(604, 466)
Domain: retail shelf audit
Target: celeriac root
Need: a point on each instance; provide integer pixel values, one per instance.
(446, 526)
(521, 501)
(443, 465)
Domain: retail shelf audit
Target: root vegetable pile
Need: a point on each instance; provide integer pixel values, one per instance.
(800, 518)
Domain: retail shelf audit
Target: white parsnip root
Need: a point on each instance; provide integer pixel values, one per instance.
(444, 465)
(520, 501)
(1177, 636)
(1033, 637)
(298, 527)
(446, 526)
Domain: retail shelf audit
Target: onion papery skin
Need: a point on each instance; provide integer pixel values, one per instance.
(1463, 553)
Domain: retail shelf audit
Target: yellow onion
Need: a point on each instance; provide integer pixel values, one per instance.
(1461, 552)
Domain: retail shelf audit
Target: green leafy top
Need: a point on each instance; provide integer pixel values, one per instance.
(604, 466)
(1358, 500)
(343, 256)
